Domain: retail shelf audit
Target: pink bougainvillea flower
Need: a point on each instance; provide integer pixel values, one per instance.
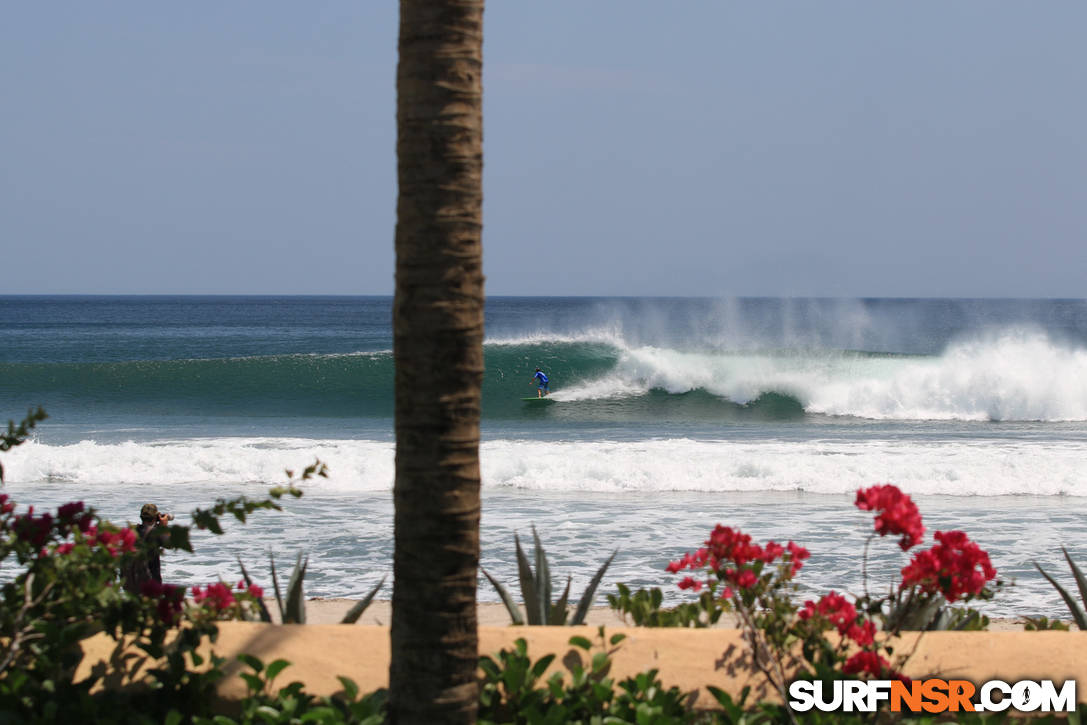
(772, 551)
(74, 514)
(216, 596)
(169, 600)
(898, 514)
(32, 529)
(841, 613)
(116, 542)
(866, 662)
(798, 555)
(863, 634)
(745, 579)
(690, 583)
(955, 566)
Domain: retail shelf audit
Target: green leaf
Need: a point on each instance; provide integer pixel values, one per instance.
(296, 604)
(543, 578)
(590, 592)
(507, 599)
(557, 617)
(275, 586)
(1081, 582)
(528, 586)
(252, 681)
(275, 667)
(356, 611)
(349, 687)
(541, 666)
(1077, 613)
(265, 615)
(582, 642)
(252, 661)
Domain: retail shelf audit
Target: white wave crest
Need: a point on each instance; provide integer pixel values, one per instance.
(358, 465)
(969, 467)
(1018, 375)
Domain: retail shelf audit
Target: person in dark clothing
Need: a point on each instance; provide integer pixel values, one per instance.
(147, 566)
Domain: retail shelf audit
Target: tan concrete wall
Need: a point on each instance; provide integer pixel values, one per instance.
(687, 658)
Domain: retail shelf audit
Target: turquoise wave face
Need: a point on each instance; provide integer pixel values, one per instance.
(360, 386)
(1011, 376)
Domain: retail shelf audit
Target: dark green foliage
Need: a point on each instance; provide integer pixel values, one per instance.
(291, 704)
(1040, 624)
(536, 590)
(512, 689)
(64, 576)
(644, 609)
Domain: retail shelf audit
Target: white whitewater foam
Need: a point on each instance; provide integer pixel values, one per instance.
(956, 467)
(1016, 375)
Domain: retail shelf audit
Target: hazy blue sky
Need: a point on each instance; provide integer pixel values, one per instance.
(635, 148)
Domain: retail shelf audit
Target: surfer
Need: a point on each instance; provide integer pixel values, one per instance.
(541, 384)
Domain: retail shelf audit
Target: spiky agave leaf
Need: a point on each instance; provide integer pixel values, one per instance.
(557, 616)
(296, 602)
(275, 585)
(1081, 582)
(359, 607)
(265, 615)
(507, 599)
(590, 593)
(1077, 612)
(543, 579)
(533, 611)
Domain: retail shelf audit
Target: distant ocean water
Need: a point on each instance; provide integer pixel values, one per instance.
(669, 416)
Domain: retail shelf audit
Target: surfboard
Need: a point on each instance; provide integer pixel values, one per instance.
(534, 399)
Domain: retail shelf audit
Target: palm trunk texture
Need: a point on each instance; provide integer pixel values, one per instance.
(438, 346)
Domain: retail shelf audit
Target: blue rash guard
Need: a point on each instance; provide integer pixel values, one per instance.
(542, 379)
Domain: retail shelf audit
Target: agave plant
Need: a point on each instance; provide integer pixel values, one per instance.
(294, 610)
(536, 590)
(915, 612)
(1077, 611)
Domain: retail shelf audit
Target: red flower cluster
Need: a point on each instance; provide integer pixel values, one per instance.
(218, 596)
(73, 514)
(33, 529)
(117, 542)
(868, 662)
(843, 615)
(955, 566)
(169, 598)
(253, 589)
(898, 513)
(6, 504)
(731, 546)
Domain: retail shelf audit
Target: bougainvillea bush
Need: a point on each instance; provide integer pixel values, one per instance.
(63, 583)
(833, 635)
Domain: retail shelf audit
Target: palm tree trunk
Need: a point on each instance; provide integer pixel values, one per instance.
(438, 346)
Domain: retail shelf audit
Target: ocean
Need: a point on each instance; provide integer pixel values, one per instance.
(668, 416)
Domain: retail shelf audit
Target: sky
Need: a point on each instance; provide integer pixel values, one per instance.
(718, 149)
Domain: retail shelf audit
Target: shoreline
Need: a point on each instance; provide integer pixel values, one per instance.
(330, 610)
